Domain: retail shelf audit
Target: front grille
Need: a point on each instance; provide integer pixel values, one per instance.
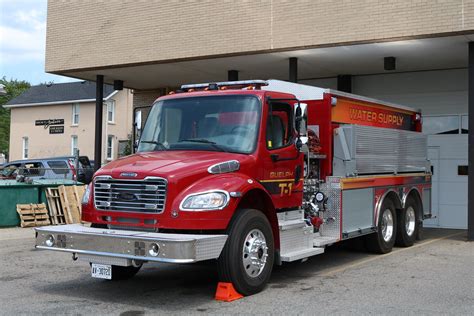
(146, 196)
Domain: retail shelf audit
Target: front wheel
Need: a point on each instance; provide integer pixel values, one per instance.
(247, 258)
(384, 239)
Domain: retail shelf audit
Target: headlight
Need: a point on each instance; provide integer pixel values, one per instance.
(49, 241)
(87, 194)
(215, 200)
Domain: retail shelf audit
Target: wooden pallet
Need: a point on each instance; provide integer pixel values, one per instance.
(54, 206)
(32, 215)
(64, 204)
(70, 197)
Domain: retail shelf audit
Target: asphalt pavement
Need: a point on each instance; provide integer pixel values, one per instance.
(435, 276)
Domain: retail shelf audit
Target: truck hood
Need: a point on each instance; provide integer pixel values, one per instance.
(167, 163)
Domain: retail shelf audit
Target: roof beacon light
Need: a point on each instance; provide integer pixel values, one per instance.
(229, 84)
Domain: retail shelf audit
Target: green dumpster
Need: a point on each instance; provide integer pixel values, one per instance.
(11, 194)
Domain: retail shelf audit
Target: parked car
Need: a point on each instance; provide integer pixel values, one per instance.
(50, 168)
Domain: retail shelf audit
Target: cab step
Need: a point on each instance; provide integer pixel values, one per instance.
(291, 224)
(301, 254)
(324, 241)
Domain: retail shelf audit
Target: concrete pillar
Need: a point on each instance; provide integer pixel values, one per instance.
(470, 185)
(344, 83)
(118, 84)
(293, 71)
(99, 104)
(233, 75)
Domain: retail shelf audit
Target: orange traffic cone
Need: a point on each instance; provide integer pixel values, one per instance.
(226, 292)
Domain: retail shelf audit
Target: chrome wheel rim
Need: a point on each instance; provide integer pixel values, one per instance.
(255, 253)
(387, 225)
(410, 221)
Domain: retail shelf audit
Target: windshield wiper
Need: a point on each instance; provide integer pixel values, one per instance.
(203, 141)
(154, 142)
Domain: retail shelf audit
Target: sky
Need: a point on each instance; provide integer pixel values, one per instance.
(22, 41)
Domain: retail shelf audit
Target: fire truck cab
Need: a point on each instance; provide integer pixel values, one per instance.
(252, 174)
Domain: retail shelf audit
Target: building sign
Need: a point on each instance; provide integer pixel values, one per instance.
(56, 129)
(49, 122)
(352, 112)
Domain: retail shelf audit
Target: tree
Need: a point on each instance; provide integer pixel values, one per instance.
(13, 89)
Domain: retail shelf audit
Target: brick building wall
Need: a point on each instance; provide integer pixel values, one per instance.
(111, 33)
(145, 97)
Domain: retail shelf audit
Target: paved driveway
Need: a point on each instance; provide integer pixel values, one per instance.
(436, 276)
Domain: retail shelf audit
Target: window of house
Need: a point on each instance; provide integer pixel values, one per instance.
(25, 148)
(111, 111)
(75, 114)
(279, 126)
(110, 147)
(74, 147)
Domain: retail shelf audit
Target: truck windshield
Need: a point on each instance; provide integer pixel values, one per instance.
(211, 123)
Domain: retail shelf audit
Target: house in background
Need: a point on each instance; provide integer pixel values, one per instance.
(58, 119)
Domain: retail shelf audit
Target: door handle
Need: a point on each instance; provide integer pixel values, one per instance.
(276, 157)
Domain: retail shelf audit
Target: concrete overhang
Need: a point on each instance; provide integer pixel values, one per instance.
(448, 52)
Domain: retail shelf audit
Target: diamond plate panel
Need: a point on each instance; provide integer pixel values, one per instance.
(295, 239)
(332, 215)
(209, 248)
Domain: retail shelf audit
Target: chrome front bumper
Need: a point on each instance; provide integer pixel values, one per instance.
(112, 243)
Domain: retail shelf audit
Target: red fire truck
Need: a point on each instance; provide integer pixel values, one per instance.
(252, 174)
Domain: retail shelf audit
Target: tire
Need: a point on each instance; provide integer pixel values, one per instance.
(419, 233)
(119, 272)
(407, 224)
(250, 234)
(384, 239)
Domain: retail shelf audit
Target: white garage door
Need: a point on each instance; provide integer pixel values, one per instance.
(448, 155)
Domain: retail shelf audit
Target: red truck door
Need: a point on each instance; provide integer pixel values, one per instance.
(283, 164)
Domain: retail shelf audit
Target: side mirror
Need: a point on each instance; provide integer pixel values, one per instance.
(137, 128)
(138, 120)
(301, 121)
(298, 143)
(298, 111)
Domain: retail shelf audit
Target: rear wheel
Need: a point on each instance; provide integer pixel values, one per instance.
(407, 224)
(247, 258)
(384, 239)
